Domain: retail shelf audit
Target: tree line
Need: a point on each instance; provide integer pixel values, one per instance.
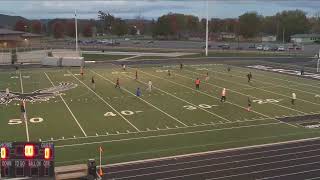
(178, 26)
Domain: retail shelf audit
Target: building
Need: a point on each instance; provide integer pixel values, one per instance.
(305, 38)
(268, 38)
(13, 39)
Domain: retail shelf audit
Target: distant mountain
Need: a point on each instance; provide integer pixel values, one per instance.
(7, 21)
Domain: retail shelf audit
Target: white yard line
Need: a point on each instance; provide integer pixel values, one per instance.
(216, 115)
(261, 88)
(165, 135)
(215, 97)
(247, 95)
(65, 103)
(219, 170)
(172, 128)
(25, 120)
(174, 118)
(105, 102)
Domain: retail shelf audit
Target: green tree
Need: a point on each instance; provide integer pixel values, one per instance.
(250, 24)
(119, 27)
(292, 22)
(106, 22)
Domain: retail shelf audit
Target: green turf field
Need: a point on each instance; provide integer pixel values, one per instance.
(174, 118)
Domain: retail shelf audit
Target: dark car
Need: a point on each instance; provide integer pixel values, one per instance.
(204, 47)
(252, 46)
(150, 42)
(225, 46)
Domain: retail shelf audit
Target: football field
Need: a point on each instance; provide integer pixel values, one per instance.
(173, 118)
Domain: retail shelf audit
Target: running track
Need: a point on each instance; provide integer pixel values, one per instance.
(291, 161)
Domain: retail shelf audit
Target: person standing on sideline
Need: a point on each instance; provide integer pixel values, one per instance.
(7, 95)
(136, 74)
(181, 66)
(169, 73)
(229, 69)
(81, 72)
(294, 97)
(149, 86)
(223, 95)
(117, 83)
(138, 92)
(249, 77)
(249, 104)
(207, 77)
(197, 82)
(23, 116)
(93, 83)
(124, 67)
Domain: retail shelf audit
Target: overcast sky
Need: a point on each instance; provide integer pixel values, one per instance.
(38, 9)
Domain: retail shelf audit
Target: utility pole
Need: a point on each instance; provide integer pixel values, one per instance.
(207, 29)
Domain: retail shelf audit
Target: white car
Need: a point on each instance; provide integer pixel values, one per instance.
(259, 47)
(266, 48)
(281, 48)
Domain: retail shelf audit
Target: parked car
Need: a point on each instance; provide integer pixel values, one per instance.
(224, 46)
(204, 47)
(281, 48)
(274, 48)
(252, 46)
(150, 42)
(136, 42)
(266, 48)
(259, 47)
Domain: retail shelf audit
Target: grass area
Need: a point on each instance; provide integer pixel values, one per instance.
(174, 118)
(102, 57)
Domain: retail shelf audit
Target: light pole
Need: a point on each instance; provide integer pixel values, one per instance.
(207, 29)
(318, 64)
(76, 27)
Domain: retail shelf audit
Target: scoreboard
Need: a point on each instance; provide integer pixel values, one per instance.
(26, 159)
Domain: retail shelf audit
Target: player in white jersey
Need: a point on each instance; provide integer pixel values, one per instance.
(294, 97)
(149, 86)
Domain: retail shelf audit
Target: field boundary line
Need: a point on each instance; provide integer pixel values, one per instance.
(105, 102)
(212, 151)
(261, 88)
(65, 103)
(216, 97)
(174, 118)
(164, 135)
(219, 170)
(183, 100)
(25, 120)
(224, 157)
(241, 92)
(175, 128)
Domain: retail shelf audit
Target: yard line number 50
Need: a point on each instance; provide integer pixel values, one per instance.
(34, 120)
